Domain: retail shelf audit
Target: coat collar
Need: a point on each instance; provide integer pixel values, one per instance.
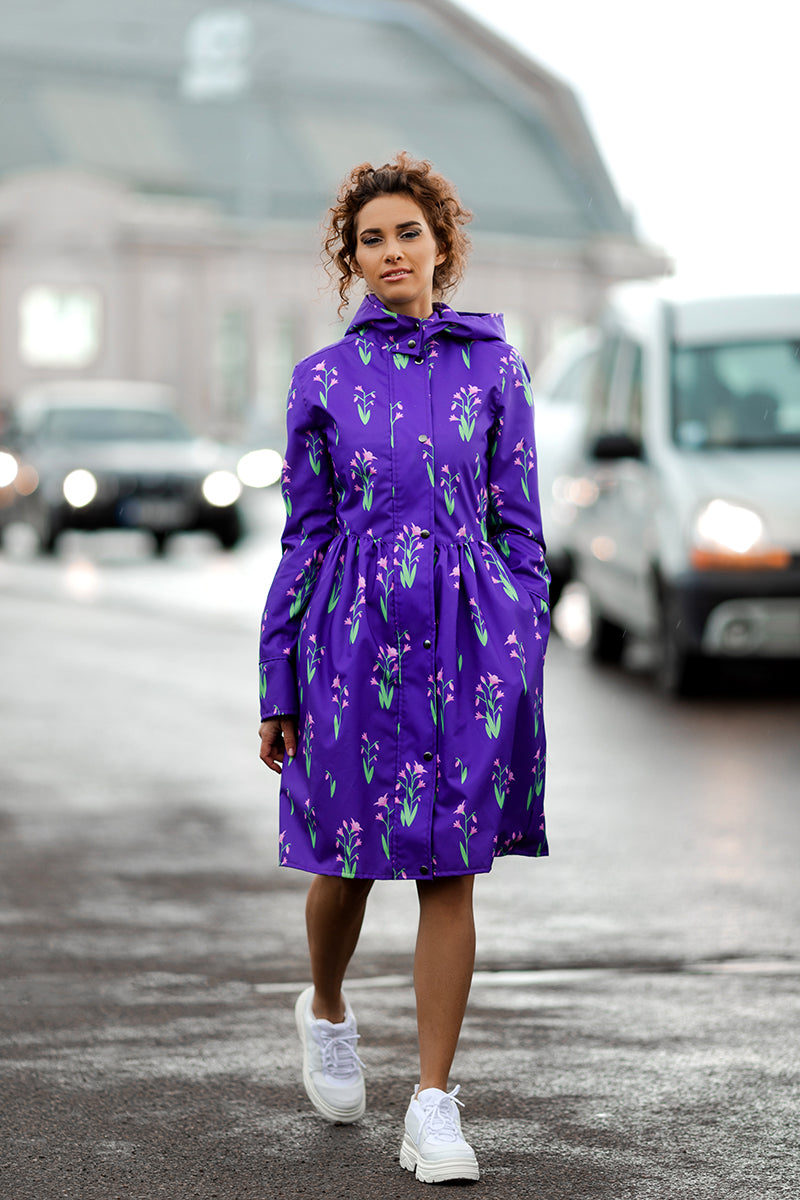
(465, 326)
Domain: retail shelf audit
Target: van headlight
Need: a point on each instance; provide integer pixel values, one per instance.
(79, 488)
(221, 488)
(727, 535)
(729, 527)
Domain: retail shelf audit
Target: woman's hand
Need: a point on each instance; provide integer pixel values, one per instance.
(278, 735)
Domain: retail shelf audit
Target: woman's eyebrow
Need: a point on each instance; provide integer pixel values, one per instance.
(402, 225)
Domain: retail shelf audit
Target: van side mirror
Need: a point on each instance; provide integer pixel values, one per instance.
(609, 446)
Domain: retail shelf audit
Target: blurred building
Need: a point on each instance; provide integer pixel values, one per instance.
(165, 167)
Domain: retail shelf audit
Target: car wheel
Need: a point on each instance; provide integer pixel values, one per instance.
(680, 672)
(606, 638)
(558, 581)
(229, 532)
(49, 532)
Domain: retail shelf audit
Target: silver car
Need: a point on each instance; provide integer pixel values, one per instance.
(685, 495)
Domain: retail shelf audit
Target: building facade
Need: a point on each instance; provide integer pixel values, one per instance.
(165, 173)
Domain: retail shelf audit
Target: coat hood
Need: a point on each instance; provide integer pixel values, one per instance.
(468, 327)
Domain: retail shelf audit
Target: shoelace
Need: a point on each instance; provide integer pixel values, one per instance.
(441, 1116)
(339, 1055)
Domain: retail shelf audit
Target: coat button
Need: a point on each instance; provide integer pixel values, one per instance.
(425, 533)
(411, 343)
(423, 871)
(419, 361)
(423, 437)
(428, 755)
(427, 644)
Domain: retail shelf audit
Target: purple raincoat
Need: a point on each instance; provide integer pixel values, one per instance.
(407, 621)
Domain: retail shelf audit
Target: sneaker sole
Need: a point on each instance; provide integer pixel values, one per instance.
(337, 1116)
(436, 1170)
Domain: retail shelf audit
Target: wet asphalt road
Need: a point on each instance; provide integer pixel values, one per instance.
(632, 1030)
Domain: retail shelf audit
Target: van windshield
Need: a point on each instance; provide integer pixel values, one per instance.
(736, 395)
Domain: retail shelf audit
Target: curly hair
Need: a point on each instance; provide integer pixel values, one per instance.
(434, 194)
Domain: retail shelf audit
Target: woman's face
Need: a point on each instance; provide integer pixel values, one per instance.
(396, 254)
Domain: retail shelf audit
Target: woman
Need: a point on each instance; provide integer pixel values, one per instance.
(404, 633)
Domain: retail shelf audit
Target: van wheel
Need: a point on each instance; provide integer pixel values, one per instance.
(606, 639)
(679, 672)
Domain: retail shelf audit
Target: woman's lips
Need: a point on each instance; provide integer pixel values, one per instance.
(390, 275)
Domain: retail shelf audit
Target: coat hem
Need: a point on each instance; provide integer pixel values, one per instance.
(477, 870)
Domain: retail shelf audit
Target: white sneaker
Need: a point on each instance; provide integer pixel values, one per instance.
(433, 1144)
(332, 1074)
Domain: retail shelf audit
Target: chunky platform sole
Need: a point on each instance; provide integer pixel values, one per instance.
(337, 1116)
(436, 1170)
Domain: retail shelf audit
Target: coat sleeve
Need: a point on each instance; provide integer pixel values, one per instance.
(307, 487)
(514, 516)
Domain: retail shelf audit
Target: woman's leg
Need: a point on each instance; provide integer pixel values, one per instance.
(334, 914)
(443, 964)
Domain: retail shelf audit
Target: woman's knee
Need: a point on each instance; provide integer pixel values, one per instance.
(344, 894)
(451, 891)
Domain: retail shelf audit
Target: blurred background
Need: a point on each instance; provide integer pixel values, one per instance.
(165, 168)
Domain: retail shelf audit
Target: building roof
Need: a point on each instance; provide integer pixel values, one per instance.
(263, 106)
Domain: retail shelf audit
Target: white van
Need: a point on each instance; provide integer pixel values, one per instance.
(685, 497)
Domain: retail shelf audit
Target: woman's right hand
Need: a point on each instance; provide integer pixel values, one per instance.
(278, 736)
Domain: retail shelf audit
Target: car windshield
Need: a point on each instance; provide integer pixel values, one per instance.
(736, 395)
(112, 425)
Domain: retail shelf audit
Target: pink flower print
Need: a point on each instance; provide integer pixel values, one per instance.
(328, 380)
(369, 756)
(364, 474)
(386, 674)
(449, 481)
(409, 546)
(364, 401)
(427, 454)
(467, 826)
(357, 608)
(488, 706)
(347, 843)
(526, 461)
(384, 576)
(340, 702)
(408, 788)
(517, 651)
(384, 815)
(502, 778)
(464, 409)
(314, 654)
(478, 622)
(307, 812)
(395, 413)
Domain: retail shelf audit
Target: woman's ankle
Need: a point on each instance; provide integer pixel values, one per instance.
(328, 1008)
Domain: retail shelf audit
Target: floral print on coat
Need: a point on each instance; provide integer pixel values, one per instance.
(407, 622)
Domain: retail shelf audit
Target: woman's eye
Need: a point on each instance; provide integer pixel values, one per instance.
(370, 241)
(410, 233)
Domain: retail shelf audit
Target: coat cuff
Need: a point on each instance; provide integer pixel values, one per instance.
(278, 687)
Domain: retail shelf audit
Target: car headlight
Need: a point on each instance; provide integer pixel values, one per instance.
(260, 468)
(730, 535)
(80, 488)
(221, 488)
(729, 527)
(8, 468)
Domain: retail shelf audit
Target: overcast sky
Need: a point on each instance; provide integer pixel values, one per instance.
(695, 106)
